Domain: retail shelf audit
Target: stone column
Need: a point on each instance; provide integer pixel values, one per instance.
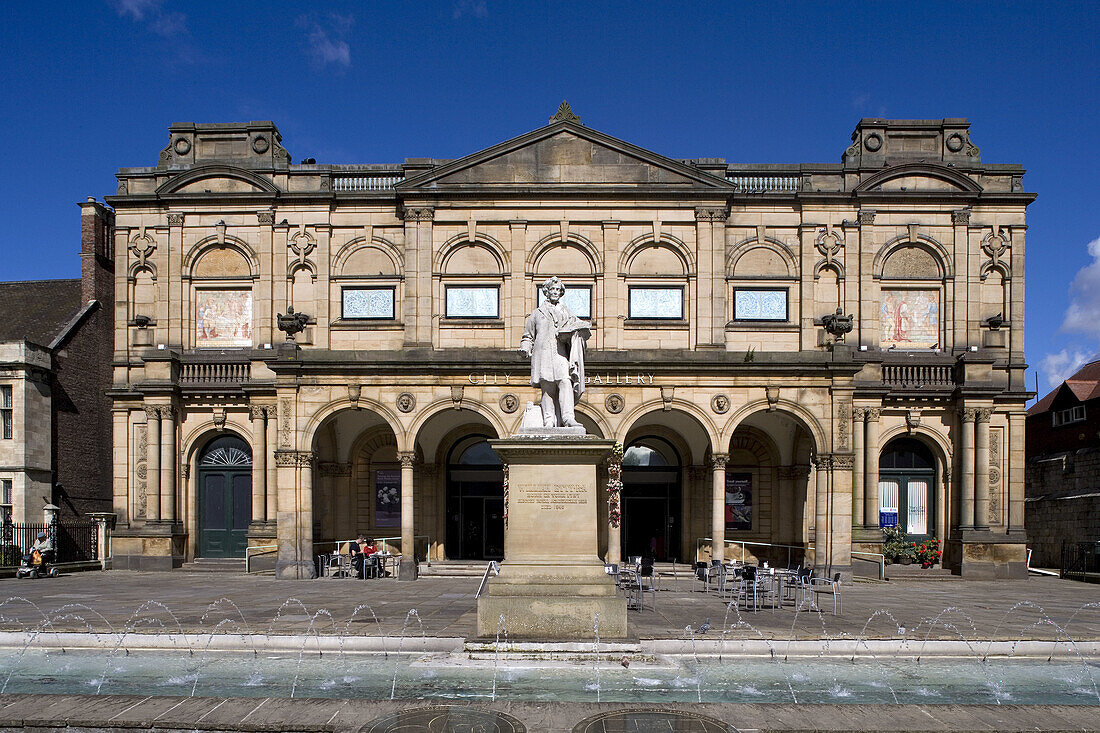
(870, 469)
(271, 503)
(168, 464)
(614, 537)
(966, 456)
(1016, 458)
(718, 506)
(859, 428)
(259, 462)
(981, 468)
(840, 515)
(295, 516)
(408, 569)
(152, 463)
(821, 510)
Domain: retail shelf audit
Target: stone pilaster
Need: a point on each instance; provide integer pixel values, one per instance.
(967, 416)
(981, 468)
(257, 414)
(859, 429)
(168, 463)
(870, 468)
(152, 463)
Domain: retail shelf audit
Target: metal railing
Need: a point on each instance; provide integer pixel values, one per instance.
(916, 376)
(379, 182)
(72, 541)
(699, 544)
(494, 568)
(762, 184)
(251, 552)
(876, 557)
(214, 373)
(1081, 561)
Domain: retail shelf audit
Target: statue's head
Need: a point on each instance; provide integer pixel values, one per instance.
(553, 285)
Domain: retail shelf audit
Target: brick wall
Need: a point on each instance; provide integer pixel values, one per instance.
(82, 372)
(1063, 503)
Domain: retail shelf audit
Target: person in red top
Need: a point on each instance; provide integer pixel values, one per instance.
(361, 552)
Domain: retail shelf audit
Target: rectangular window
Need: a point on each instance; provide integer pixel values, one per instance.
(5, 491)
(5, 412)
(577, 298)
(665, 303)
(472, 301)
(753, 304)
(223, 318)
(910, 319)
(1069, 415)
(368, 303)
(387, 502)
(739, 501)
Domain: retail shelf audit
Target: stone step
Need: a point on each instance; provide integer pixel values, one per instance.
(453, 569)
(214, 565)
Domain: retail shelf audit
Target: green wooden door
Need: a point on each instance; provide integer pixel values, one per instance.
(224, 498)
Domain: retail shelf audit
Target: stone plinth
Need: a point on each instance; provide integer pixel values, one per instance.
(552, 581)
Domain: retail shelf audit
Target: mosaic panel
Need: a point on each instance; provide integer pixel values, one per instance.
(473, 302)
(223, 318)
(760, 305)
(368, 303)
(910, 318)
(665, 303)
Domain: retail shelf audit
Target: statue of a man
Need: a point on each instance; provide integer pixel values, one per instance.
(554, 339)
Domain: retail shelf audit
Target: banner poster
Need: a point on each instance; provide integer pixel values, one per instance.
(387, 498)
(739, 501)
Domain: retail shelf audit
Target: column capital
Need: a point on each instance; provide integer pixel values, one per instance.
(175, 219)
(419, 213)
(824, 461)
(152, 411)
(265, 218)
(866, 217)
(256, 412)
(874, 414)
(843, 461)
(407, 458)
(982, 414)
(968, 414)
(859, 414)
(706, 213)
(961, 217)
(719, 460)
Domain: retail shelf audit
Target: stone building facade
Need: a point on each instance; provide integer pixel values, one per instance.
(56, 341)
(746, 413)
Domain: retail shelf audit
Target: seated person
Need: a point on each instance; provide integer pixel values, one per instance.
(43, 547)
(361, 556)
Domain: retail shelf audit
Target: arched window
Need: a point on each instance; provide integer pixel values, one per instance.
(650, 499)
(907, 472)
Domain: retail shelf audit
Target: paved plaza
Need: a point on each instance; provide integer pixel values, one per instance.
(1042, 608)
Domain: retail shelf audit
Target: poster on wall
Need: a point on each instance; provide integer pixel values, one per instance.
(223, 318)
(387, 498)
(910, 319)
(739, 501)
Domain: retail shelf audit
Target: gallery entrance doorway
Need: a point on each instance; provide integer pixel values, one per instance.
(224, 497)
(475, 501)
(907, 472)
(651, 500)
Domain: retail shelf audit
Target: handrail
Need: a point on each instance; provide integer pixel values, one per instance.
(248, 554)
(881, 562)
(494, 567)
(699, 543)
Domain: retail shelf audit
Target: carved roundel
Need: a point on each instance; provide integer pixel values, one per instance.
(994, 475)
(260, 144)
(614, 403)
(509, 403)
(954, 142)
(406, 402)
(182, 146)
(873, 142)
(720, 403)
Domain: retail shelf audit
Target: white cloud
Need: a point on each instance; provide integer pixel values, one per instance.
(1056, 368)
(326, 44)
(1083, 314)
(136, 9)
(1083, 317)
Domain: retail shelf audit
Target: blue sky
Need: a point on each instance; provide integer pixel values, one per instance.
(92, 86)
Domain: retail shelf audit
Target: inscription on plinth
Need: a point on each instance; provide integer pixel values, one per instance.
(551, 497)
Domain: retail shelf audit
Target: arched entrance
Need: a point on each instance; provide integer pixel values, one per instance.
(651, 499)
(224, 497)
(907, 473)
(475, 501)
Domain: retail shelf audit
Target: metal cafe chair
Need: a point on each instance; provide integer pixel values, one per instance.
(826, 585)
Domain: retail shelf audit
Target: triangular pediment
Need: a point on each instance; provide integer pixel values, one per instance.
(564, 154)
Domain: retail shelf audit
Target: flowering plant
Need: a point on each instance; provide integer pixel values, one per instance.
(896, 547)
(928, 552)
(614, 484)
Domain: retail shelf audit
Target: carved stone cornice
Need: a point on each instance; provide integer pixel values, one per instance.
(420, 213)
(704, 213)
(407, 458)
(294, 458)
(843, 461)
(334, 469)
